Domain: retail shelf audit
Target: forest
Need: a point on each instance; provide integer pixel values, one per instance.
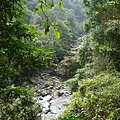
(60, 50)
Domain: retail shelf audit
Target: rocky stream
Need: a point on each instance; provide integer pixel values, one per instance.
(53, 95)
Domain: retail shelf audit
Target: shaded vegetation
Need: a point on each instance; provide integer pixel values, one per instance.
(17, 48)
(17, 103)
(18, 51)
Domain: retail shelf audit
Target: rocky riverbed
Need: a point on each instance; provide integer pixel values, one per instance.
(54, 98)
(53, 95)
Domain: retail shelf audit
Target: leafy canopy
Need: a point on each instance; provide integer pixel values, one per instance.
(17, 103)
(18, 41)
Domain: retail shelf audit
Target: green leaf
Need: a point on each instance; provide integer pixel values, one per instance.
(61, 4)
(57, 34)
(47, 30)
(46, 24)
(51, 3)
(47, 8)
(43, 8)
(41, 1)
(38, 9)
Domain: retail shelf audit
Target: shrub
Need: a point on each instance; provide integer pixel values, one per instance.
(82, 74)
(97, 99)
(73, 84)
(17, 103)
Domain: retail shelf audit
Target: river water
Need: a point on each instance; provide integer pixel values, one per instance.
(57, 107)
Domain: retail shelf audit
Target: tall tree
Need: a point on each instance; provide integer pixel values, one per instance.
(104, 24)
(17, 41)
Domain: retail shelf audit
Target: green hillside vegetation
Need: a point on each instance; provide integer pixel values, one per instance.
(97, 98)
(38, 34)
(17, 103)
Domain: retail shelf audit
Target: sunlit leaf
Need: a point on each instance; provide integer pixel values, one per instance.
(43, 8)
(51, 3)
(61, 4)
(43, 1)
(57, 34)
(47, 8)
(46, 24)
(38, 9)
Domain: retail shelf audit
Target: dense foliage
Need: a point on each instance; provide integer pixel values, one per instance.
(17, 42)
(98, 95)
(22, 46)
(97, 98)
(17, 103)
(100, 48)
(18, 51)
(104, 25)
(67, 67)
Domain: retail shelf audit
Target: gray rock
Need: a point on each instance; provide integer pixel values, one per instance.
(50, 87)
(46, 107)
(47, 98)
(57, 106)
(51, 97)
(44, 93)
(58, 87)
(40, 98)
(60, 93)
(55, 93)
(34, 82)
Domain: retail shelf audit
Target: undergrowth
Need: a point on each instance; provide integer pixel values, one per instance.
(96, 99)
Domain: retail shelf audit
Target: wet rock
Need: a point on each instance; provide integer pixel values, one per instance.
(47, 98)
(33, 81)
(57, 106)
(45, 101)
(40, 98)
(51, 97)
(53, 78)
(44, 93)
(58, 87)
(46, 107)
(50, 87)
(60, 93)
